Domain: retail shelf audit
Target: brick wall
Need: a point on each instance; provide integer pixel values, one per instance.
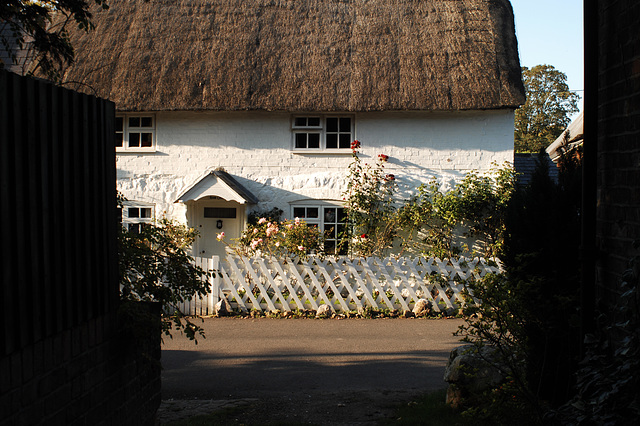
(618, 161)
(93, 374)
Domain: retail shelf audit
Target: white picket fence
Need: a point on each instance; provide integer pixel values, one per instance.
(286, 284)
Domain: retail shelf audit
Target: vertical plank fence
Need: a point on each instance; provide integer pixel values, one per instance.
(58, 217)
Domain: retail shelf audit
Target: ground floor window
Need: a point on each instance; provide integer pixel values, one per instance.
(136, 215)
(331, 219)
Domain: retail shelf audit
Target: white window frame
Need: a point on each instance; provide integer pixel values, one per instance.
(323, 134)
(323, 208)
(134, 222)
(127, 131)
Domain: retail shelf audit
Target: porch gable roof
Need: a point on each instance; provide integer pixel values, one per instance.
(218, 183)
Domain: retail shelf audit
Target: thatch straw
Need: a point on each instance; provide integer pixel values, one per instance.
(302, 55)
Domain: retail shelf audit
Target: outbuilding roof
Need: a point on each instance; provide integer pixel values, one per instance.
(569, 139)
(301, 55)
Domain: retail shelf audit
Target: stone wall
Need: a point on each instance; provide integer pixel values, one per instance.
(255, 147)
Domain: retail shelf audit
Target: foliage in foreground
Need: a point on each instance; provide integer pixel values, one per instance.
(609, 376)
(154, 266)
(529, 314)
(499, 322)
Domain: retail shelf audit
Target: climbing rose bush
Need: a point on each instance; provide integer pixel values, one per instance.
(288, 238)
(370, 206)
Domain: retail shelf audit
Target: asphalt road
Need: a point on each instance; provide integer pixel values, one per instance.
(247, 358)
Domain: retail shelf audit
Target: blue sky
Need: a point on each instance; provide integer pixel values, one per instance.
(551, 32)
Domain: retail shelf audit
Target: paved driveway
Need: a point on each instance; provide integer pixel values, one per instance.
(252, 358)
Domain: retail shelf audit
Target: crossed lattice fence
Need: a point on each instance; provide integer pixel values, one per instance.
(289, 284)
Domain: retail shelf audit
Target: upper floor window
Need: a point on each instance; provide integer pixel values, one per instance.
(322, 133)
(135, 133)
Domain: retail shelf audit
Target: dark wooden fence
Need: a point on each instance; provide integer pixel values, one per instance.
(65, 357)
(57, 190)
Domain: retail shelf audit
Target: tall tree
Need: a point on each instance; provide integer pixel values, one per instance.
(34, 34)
(547, 110)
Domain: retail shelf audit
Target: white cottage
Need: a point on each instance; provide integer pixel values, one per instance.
(228, 106)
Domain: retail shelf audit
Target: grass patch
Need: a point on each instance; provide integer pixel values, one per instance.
(430, 409)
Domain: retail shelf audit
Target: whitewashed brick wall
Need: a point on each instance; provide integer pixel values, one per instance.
(255, 148)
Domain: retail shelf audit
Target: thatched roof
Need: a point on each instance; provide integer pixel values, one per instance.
(302, 55)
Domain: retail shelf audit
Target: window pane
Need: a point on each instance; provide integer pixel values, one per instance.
(134, 140)
(134, 121)
(332, 141)
(147, 139)
(299, 212)
(330, 247)
(220, 212)
(342, 215)
(148, 122)
(134, 212)
(134, 228)
(329, 215)
(119, 139)
(145, 212)
(345, 140)
(312, 212)
(314, 121)
(301, 140)
(300, 121)
(119, 124)
(314, 140)
(345, 124)
(332, 124)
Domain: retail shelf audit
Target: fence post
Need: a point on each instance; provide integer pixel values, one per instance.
(215, 283)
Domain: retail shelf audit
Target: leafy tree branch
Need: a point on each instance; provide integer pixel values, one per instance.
(547, 109)
(35, 33)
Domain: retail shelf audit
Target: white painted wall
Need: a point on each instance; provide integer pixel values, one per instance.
(255, 148)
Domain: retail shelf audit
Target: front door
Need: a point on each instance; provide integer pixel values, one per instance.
(212, 217)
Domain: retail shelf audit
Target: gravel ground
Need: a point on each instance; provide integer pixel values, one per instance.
(321, 372)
